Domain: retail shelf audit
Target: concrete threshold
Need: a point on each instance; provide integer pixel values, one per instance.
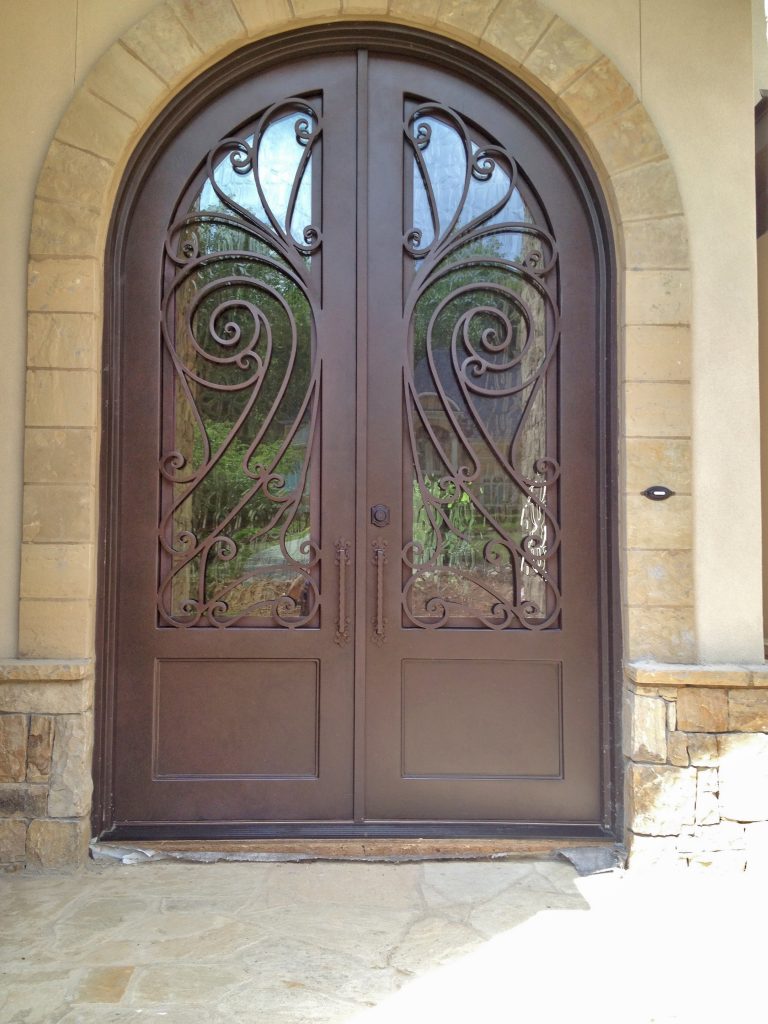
(599, 853)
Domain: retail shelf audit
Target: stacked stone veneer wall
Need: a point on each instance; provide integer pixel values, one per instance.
(696, 742)
(46, 733)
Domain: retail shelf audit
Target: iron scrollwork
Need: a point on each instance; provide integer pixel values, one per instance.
(484, 329)
(243, 393)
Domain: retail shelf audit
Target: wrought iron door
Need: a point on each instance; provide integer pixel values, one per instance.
(356, 561)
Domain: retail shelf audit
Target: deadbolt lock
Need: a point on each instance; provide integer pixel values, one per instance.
(380, 515)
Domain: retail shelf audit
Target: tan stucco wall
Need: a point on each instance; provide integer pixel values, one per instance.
(46, 47)
(691, 64)
(762, 280)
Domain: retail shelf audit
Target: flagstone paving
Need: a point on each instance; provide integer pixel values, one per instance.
(370, 943)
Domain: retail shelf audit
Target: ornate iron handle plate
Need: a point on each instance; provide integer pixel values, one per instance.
(342, 621)
(379, 560)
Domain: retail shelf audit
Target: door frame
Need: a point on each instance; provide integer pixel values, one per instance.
(522, 100)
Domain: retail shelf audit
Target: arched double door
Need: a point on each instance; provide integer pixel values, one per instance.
(356, 556)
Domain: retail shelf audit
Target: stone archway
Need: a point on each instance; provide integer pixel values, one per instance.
(129, 85)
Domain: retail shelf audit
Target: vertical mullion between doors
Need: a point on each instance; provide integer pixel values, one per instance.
(361, 445)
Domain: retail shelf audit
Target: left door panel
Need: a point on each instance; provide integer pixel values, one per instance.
(234, 422)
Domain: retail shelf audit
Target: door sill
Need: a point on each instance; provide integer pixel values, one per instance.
(373, 850)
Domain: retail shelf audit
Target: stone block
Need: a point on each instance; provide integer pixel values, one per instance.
(39, 748)
(91, 124)
(659, 525)
(658, 460)
(656, 244)
(657, 352)
(61, 341)
(668, 693)
(748, 711)
(677, 749)
(756, 837)
(662, 798)
(647, 191)
(57, 844)
(19, 800)
(656, 674)
(55, 629)
(743, 770)
(52, 698)
(726, 835)
(657, 409)
(263, 15)
(719, 862)
(658, 296)
(560, 56)
(660, 632)
(43, 669)
(62, 285)
(13, 839)
(423, 12)
(702, 749)
(103, 985)
(514, 28)
(211, 23)
(671, 714)
(160, 41)
(626, 140)
(126, 83)
(700, 709)
(707, 788)
(71, 785)
(63, 229)
(601, 92)
(60, 455)
(61, 398)
(759, 674)
(57, 570)
(71, 175)
(654, 852)
(649, 729)
(58, 513)
(660, 577)
(13, 748)
(465, 18)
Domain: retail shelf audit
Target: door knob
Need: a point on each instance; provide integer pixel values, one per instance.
(380, 515)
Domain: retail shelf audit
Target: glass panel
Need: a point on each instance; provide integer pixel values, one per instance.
(238, 535)
(483, 332)
(281, 164)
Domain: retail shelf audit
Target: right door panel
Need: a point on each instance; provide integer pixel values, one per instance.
(483, 656)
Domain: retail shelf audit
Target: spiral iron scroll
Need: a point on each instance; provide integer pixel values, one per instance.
(236, 282)
(499, 275)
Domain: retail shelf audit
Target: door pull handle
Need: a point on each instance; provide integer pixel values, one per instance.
(379, 560)
(342, 620)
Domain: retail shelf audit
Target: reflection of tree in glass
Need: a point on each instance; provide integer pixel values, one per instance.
(453, 419)
(247, 275)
